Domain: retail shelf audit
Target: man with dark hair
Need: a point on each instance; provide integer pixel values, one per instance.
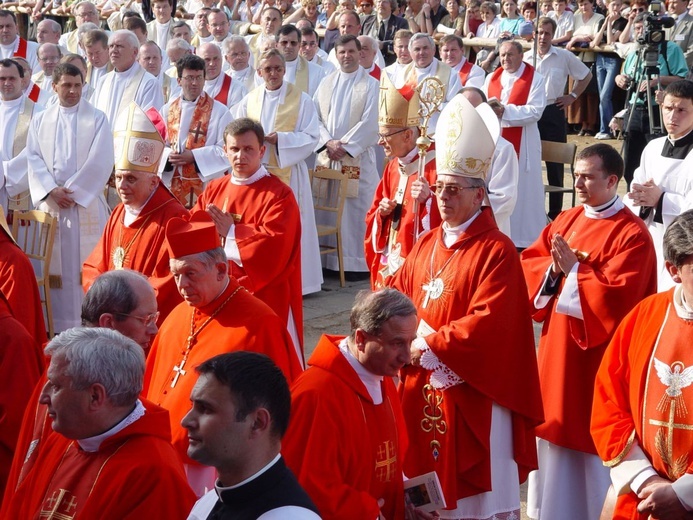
(270, 21)
(586, 271)
(218, 316)
(662, 184)
(109, 455)
(67, 177)
(195, 132)
(383, 27)
(84, 12)
(263, 243)
(11, 44)
(95, 45)
(452, 54)
(310, 50)
(641, 421)
(298, 71)
(350, 23)
(134, 235)
(351, 463)
(160, 29)
(240, 412)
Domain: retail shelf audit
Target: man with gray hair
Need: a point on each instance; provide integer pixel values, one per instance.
(128, 81)
(351, 464)
(176, 48)
(217, 316)
(109, 455)
(49, 55)
(48, 31)
(424, 65)
(237, 55)
(84, 12)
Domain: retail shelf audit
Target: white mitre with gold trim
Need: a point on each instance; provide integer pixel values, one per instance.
(137, 143)
(466, 139)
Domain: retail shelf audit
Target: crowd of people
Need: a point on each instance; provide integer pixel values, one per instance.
(175, 146)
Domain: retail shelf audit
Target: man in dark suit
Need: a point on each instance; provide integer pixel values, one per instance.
(383, 26)
(681, 33)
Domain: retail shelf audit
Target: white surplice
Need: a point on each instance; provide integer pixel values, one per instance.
(56, 158)
(529, 216)
(315, 75)
(8, 51)
(109, 93)
(210, 159)
(245, 76)
(293, 148)
(13, 177)
(237, 91)
(502, 183)
(358, 140)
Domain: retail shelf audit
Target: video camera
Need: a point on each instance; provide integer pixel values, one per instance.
(655, 24)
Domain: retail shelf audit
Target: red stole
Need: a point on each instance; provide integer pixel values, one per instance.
(375, 72)
(667, 423)
(21, 48)
(223, 95)
(407, 90)
(518, 96)
(464, 72)
(34, 93)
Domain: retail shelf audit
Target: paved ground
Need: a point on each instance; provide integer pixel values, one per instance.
(327, 312)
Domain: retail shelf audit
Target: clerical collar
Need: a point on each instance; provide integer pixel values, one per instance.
(163, 24)
(274, 93)
(132, 213)
(425, 70)
(678, 148)
(12, 102)
(371, 381)
(452, 234)
(349, 75)
(517, 73)
(127, 73)
(292, 64)
(12, 47)
(259, 174)
(68, 110)
(193, 102)
(220, 489)
(239, 73)
(682, 307)
(605, 210)
(93, 444)
(409, 158)
(212, 82)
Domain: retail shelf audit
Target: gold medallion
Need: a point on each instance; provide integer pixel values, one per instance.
(118, 257)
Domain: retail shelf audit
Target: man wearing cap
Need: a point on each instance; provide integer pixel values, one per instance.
(403, 206)
(289, 119)
(218, 315)
(258, 217)
(348, 115)
(67, 177)
(195, 130)
(520, 89)
(585, 273)
(134, 237)
(471, 395)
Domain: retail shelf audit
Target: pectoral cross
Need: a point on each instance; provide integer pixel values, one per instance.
(671, 426)
(434, 288)
(198, 132)
(178, 369)
(387, 459)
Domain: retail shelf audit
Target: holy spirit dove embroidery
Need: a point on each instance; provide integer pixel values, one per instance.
(675, 377)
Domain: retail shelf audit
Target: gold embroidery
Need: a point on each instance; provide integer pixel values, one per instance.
(433, 421)
(57, 509)
(386, 461)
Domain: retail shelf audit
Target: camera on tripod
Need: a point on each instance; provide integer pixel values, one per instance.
(654, 25)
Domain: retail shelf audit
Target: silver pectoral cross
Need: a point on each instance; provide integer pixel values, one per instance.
(178, 369)
(434, 289)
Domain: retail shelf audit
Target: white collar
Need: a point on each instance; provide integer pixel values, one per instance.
(409, 158)
(605, 210)
(672, 140)
(451, 234)
(220, 489)
(517, 73)
(12, 102)
(93, 444)
(135, 212)
(682, 307)
(127, 73)
(259, 174)
(371, 381)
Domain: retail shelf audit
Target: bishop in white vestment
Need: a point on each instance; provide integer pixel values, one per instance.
(347, 102)
(67, 176)
(290, 121)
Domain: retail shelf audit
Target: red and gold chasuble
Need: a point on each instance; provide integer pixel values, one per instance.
(667, 418)
(518, 96)
(186, 181)
(465, 70)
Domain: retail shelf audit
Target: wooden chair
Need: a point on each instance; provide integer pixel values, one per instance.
(563, 153)
(34, 232)
(329, 194)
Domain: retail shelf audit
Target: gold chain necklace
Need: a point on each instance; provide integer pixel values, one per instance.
(178, 369)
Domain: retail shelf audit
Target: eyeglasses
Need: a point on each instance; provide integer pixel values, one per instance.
(639, 9)
(450, 189)
(235, 55)
(270, 70)
(193, 79)
(385, 137)
(149, 319)
(309, 44)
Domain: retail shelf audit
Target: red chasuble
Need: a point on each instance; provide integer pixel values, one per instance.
(484, 334)
(18, 284)
(268, 235)
(348, 460)
(244, 323)
(223, 95)
(134, 474)
(518, 96)
(466, 69)
(637, 398)
(144, 242)
(19, 372)
(375, 73)
(34, 93)
(620, 270)
(387, 247)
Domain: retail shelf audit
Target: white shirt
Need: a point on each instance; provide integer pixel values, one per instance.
(556, 65)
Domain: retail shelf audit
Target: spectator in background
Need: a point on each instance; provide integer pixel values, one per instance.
(510, 18)
(564, 21)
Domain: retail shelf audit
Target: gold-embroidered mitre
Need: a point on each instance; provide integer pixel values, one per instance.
(398, 108)
(466, 139)
(137, 143)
